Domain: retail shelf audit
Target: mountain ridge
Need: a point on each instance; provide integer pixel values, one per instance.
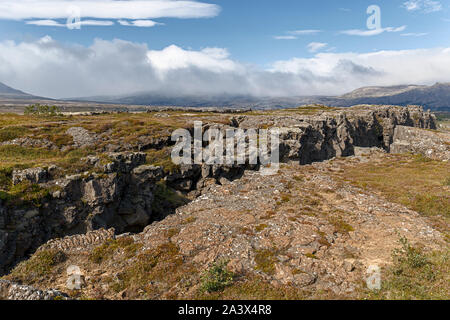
(435, 97)
(9, 93)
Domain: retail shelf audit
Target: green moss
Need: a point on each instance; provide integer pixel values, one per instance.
(419, 158)
(251, 287)
(265, 260)
(431, 204)
(18, 153)
(217, 277)
(285, 198)
(13, 132)
(106, 251)
(311, 255)
(340, 225)
(172, 232)
(5, 178)
(163, 265)
(162, 158)
(189, 220)
(25, 194)
(39, 266)
(261, 227)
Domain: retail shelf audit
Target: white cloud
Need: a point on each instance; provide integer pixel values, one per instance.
(101, 23)
(293, 35)
(139, 10)
(413, 34)
(374, 32)
(54, 23)
(304, 32)
(316, 46)
(285, 37)
(139, 23)
(426, 6)
(175, 58)
(49, 68)
(46, 23)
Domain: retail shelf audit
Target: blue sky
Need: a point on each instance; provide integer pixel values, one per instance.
(259, 34)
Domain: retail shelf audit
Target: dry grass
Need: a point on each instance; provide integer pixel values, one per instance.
(416, 275)
(413, 181)
(251, 287)
(37, 268)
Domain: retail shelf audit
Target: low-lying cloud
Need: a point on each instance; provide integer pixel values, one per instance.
(49, 68)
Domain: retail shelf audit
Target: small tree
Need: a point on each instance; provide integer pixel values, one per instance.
(42, 110)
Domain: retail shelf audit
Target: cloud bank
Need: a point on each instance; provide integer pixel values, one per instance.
(49, 68)
(47, 12)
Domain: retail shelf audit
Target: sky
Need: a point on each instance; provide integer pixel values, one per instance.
(76, 48)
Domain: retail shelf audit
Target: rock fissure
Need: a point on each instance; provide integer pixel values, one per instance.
(128, 195)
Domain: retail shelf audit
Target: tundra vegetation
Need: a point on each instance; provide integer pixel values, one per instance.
(307, 232)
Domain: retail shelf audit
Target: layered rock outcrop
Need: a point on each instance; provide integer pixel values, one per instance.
(120, 198)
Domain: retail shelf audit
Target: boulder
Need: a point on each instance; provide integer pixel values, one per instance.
(33, 175)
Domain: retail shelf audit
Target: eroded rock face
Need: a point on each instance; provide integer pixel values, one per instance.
(431, 144)
(121, 199)
(333, 134)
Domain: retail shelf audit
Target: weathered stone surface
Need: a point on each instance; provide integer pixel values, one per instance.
(124, 162)
(14, 291)
(33, 175)
(30, 142)
(434, 145)
(80, 241)
(81, 137)
(333, 134)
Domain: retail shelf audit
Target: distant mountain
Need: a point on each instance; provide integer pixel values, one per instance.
(228, 101)
(378, 92)
(436, 97)
(5, 90)
(8, 93)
